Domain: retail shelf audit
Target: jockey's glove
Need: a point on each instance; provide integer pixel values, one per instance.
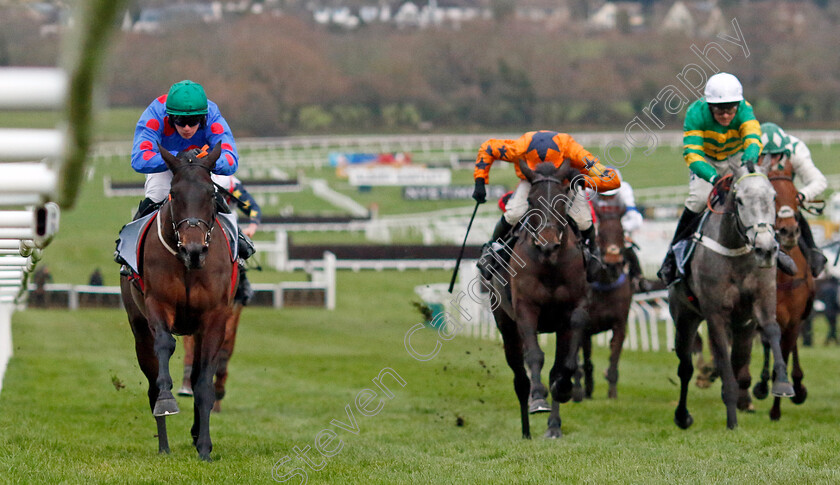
(479, 193)
(751, 154)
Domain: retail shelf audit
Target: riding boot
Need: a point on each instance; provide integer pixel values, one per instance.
(593, 261)
(146, 207)
(497, 245)
(245, 247)
(668, 272)
(816, 259)
(244, 292)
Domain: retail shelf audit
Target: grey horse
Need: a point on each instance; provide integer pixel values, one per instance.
(731, 283)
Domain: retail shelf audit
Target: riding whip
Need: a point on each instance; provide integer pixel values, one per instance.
(464, 245)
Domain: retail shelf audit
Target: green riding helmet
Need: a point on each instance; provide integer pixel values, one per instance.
(774, 139)
(186, 98)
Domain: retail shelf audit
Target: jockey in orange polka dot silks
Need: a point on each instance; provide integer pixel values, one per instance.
(182, 119)
(536, 147)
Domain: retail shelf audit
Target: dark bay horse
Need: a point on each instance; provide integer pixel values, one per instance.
(187, 275)
(731, 284)
(610, 294)
(543, 290)
(794, 294)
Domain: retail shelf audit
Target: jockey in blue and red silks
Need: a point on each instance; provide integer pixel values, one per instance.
(182, 119)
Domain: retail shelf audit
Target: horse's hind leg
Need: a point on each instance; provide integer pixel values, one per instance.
(616, 344)
(188, 342)
(742, 342)
(729, 393)
(798, 375)
(686, 329)
(760, 390)
(225, 354)
(588, 368)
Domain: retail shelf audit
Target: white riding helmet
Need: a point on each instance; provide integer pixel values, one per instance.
(723, 88)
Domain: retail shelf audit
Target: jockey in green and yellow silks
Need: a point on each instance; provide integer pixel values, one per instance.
(718, 128)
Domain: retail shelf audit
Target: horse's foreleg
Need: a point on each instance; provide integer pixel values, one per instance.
(528, 318)
(209, 342)
(686, 330)
(164, 346)
(771, 335)
(521, 385)
(565, 359)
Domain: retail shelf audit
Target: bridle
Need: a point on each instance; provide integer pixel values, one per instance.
(559, 232)
(190, 221)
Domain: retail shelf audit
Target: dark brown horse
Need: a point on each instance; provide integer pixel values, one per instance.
(224, 359)
(543, 290)
(794, 294)
(187, 275)
(610, 294)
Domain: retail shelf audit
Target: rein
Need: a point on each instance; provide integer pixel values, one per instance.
(742, 230)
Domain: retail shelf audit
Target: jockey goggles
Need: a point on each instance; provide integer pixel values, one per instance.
(187, 120)
(725, 108)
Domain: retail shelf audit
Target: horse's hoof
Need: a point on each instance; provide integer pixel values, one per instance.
(782, 389)
(801, 395)
(217, 406)
(775, 414)
(166, 407)
(163, 451)
(577, 394)
(760, 390)
(185, 391)
(746, 408)
(553, 433)
(612, 394)
(205, 457)
(536, 406)
(683, 422)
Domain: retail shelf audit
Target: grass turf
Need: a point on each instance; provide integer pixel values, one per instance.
(62, 418)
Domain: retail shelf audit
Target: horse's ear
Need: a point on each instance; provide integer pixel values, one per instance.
(168, 157)
(566, 171)
(526, 170)
(210, 159)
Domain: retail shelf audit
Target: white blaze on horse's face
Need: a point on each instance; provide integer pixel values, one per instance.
(756, 209)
